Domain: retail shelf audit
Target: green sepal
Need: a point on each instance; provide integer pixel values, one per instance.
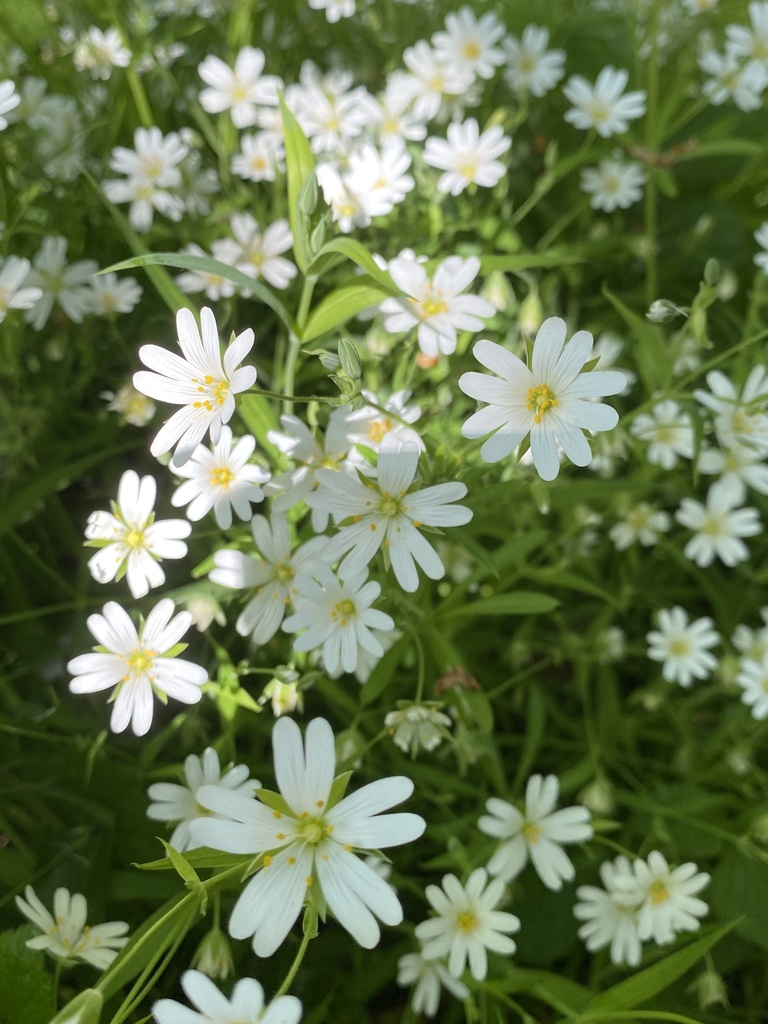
(338, 789)
(188, 874)
(274, 800)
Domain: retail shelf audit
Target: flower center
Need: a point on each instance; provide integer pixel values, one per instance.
(527, 63)
(471, 50)
(532, 832)
(390, 506)
(313, 832)
(599, 111)
(379, 428)
(680, 647)
(467, 922)
(432, 305)
(134, 538)
(343, 611)
(284, 572)
(215, 391)
(639, 518)
(658, 892)
(467, 168)
(239, 92)
(222, 477)
(140, 660)
(713, 526)
(256, 258)
(538, 400)
(152, 166)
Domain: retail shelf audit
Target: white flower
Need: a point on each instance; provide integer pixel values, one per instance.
(377, 178)
(238, 90)
(246, 1005)
(9, 100)
(65, 284)
(683, 646)
(212, 283)
(430, 80)
(468, 157)
(641, 524)
(667, 897)
(177, 803)
(435, 304)
(131, 541)
(670, 433)
(310, 842)
(134, 407)
(740, 417)
(738, 467)
(199, 382)
(537, 834)
(137, 664)
(718, 526)
(752, 643)
(552, 400)
(277, 577)
(753, 679)
(65, 933)
(751, 43)
(530, 66)
(392, 117)
(699, 6)
(99, 52)
(613, 184)
(151, 169)
(417, 727)
(12, 296)
(470, 44)
(334, 9)
(257, 254)
(330, 114)
(730, 79)
(349, 209)
(427, 977)
(761, 237)
(259, 159)
(467, 923)
(610, 914)
(389, 513)
(110, 294)
(338, 617)
(602, 106)
(369, 426)
(221, 480)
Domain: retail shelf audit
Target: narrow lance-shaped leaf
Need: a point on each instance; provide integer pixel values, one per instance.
(299, 165)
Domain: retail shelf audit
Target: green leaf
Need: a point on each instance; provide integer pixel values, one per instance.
(188, 874)
(528, 260)
(341, 305)
(644, 985)
(518, 602)
(186, 261)
(25, 985)
(561, 993)
(722, 147)
(740, 886)
(83, 1009)
(203, 857)
(536, 717)
(385, 669)
(355, 252)
(299, 165)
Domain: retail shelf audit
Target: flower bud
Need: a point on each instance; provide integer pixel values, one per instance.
(214, 956)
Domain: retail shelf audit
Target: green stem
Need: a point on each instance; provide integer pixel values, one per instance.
(550, 178)
(294, 344)
(294, 966)
(56, 981)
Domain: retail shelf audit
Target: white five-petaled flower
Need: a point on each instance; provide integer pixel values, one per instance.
(277, 577)
(467, 156)
(240, 89)
(178, 803)
(111, 294)
(60, 282)
(152, 176)
(602, 106)
(99, 52)
(682, 646)
(537, 834)
(428, 977)
(666, 897)
(530, 65)
(9, 100)
(467, 924)
(221, 480)
(738, 467)
(669, 431)
(387, 512)
(741, 415)
(613, 184)
(435, 304)
(12, 296)
(200, 382)
(309, 841)
(137, 664)
(65, 933)
(610, 914)
(469, 43)
(257, 253)
(718, 525)
(553, 400)
(753, 680)
(246, 1004)
(339, 618)
(640, 524)
(260, 157)
(369, 426)
(132, 543)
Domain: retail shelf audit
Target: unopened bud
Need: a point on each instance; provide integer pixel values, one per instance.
(711, 989)
(308, 195)
(214, 956)
(662, 310)
(531, 314)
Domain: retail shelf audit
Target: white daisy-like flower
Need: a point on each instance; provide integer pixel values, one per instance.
(666, 897)
(99, 52)
(417, 727)
(132, 543)
(132, 406)
(761, 237)
(277, 577)
(470, 43)
(200, 382)
(613, 184)
(260, 157)
(642, 524)
(392, 117)
(66, 284)
(738, 467)
(752, 644)
(428, 978)
(338, 618)
(137, 664)
(246, 1004)
(369, 426)
(751, 43)
(310, 842)
(610, 914)
(430, 81)
(113, 294)
(389, 512)
(335, 10)
(603, 106)
(240, 89)
(12, 296)
(65, 933)
(152, 176)
(718, 526)
(682, 646)
(753, 680)
(468, 923)
(536, 835)
(468, 156)
(669, 431)
(221, 479)
(257, 253)
(212, 283)
(178, 803)
(9, 100)
(731, 79)
(377, 177)
(741, 415)
(553, 400)
(435, 304)
(530, 66)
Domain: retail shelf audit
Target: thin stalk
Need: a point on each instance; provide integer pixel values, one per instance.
(294, 966)
(651, 190)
